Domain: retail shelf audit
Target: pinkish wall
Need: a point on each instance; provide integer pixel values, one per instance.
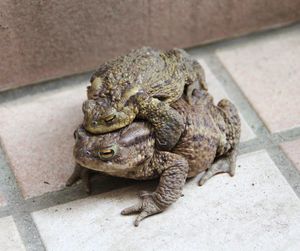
(41, 39)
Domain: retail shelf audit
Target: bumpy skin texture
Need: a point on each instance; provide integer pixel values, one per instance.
(142, 84)
(211, 134)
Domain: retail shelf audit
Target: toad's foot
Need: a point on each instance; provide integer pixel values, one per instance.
(145, 207)
(225, 164)
(80, 173)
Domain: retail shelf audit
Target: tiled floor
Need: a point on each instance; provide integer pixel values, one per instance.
(257, 209)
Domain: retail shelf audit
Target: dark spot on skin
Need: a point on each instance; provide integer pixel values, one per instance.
(46, 182)
(198, 138)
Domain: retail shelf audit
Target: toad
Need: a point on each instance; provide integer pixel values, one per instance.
(114, 100)
(208, 143)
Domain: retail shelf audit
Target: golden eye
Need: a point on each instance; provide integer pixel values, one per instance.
(106, 153)
(110, 118)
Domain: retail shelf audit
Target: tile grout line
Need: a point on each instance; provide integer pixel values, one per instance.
(25, 225)
(283, 163)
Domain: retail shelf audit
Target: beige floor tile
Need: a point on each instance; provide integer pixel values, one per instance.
(37, 134)
(267, 71)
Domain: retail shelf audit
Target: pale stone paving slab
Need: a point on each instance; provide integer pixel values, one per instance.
(292, 149)
(267, 71)
(255, 210)
(216, 89)
(37, 135)
(9, 236)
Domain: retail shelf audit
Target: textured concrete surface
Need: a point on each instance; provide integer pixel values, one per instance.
(49, 39)
(255, 210)
(218, 92)
(9, 237)
(267, 71)
(292, 149)
(37, 134)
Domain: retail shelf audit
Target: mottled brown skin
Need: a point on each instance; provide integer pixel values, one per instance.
(113, 96)
(211, 134)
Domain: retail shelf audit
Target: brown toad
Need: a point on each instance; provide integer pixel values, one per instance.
(211, 134)
(164, 76)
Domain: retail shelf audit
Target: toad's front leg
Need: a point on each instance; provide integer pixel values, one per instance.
(80, 173)
(173, 170)
(168, 124)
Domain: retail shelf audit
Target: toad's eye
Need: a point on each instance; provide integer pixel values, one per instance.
(110, 118)
(106, 153)
(94, 123)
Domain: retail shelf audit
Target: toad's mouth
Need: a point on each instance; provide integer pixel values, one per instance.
(107, 167)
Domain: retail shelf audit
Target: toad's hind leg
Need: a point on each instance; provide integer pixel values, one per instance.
(197, 81)
(225, 164)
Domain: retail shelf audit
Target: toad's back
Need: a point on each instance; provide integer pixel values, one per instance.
(161, 74)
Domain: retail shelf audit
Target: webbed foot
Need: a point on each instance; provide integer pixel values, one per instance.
(225, 164)
(80, 173)
(146, 207)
